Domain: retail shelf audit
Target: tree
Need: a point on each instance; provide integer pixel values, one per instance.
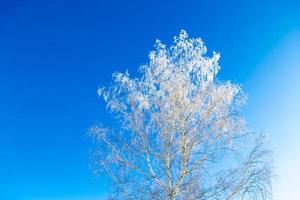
(179, 132)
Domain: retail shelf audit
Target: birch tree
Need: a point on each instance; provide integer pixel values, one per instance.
(178, 132)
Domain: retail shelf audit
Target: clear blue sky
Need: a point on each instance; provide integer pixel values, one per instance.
(54, 55)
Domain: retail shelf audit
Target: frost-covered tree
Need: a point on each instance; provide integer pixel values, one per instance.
(179, 133)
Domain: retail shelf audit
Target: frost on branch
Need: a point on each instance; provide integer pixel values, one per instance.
(177, 128)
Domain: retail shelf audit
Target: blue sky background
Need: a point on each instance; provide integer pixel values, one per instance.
(54, 55)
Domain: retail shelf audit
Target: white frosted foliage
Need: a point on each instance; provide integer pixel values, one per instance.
(177, 125)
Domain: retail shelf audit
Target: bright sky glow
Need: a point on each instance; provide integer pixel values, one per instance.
(274, 107)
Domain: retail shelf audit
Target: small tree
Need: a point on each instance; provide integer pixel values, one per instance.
(180, 134)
